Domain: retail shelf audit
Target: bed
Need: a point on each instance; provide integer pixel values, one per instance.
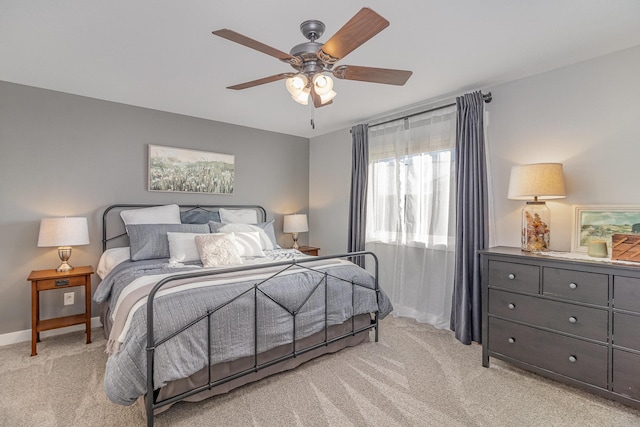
(199, 300)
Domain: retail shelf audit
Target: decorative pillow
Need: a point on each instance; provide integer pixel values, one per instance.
(238, 216)
(149, 241)
(168, 214)
(182, 247)
(217, 250)
(248, 244)
(265, 242)
(199, 216)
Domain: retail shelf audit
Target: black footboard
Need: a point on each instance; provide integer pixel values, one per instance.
(152, 403)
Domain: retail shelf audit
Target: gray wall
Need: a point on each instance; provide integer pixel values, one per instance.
(585, 116)
(329, 191)
(62, 154)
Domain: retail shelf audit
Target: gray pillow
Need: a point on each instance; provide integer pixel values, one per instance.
(149, 241)
(199, 216)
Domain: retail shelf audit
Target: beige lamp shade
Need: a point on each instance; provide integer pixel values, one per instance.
(68, 231)
(537, 181)
(296, 223)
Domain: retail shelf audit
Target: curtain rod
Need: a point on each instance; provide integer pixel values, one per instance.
(486, 97)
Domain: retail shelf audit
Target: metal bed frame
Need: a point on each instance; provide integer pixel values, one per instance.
(151, 402)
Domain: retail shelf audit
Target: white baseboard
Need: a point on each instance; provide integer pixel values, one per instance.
(22, 336)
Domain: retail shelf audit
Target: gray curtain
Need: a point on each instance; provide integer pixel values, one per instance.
(472, 232)
(358, 203)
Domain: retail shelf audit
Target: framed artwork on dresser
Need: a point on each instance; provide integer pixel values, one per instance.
(600, 222)
(190, 171)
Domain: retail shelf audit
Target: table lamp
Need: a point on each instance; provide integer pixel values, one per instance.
(63, 233)
(294, 224)
(536, 183)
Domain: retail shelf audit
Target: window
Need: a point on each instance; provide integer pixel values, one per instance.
(411, 193)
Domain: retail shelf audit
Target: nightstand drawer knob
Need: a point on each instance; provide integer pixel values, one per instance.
(62, 282)
(573, 319)
(511, 276)
(511, 340)
(511, 306)
(573, 286)
(573, 359)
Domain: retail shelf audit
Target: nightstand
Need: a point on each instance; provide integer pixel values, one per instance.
(44, 280)
(309, 250)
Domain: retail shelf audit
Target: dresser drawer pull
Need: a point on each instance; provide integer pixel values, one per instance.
(62, 282)
(573, 359)
(511, 340)
(573, 319)
(511, 276)
(573, 286)
(511, 306)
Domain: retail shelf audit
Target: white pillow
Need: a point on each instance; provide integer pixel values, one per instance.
(168, 214)
(265, 241)
(248, 244)
(182, 247)
(241, 216)
(110, 258)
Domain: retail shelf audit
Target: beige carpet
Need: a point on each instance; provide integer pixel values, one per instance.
(415, 376)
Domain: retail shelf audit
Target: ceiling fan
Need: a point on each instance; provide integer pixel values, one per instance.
(313, 60)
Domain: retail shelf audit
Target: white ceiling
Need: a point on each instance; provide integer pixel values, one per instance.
(160, 54)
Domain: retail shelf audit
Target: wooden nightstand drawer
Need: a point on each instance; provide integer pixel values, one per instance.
(513, 276)
(43, 285)
(574, 285)
(565, 317)
(309, 250)
(577, 359)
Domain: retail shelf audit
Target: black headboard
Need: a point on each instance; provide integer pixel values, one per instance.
(111, 219)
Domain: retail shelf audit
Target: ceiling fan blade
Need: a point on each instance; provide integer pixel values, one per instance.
(373, 75)
(364, 25)
(261, 81)
(254, 44)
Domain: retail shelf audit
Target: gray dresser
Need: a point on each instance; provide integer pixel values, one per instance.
(574, 321)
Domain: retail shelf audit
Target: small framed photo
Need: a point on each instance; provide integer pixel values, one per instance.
(190, 171)
(600, 222)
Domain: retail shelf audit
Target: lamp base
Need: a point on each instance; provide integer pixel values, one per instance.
(295, 240)
(64, 267)
(64, 252)
(535, 227)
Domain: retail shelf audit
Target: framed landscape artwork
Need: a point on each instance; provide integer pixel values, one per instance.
(190, 171)
(601, 222)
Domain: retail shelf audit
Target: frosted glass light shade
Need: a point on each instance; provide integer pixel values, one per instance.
(537, 181)
(322, 84)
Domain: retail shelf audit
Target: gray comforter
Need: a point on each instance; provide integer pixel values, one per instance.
(232, 324)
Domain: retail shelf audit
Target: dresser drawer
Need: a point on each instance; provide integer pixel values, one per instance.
(574, 285)
(567, 356)
(626, 330)
(578, 320)
(626, 293)
(514, 276)
(626, 380)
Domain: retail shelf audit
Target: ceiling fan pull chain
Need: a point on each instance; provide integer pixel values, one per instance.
(313, 123)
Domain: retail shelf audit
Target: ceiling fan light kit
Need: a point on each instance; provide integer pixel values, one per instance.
(313, 60)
